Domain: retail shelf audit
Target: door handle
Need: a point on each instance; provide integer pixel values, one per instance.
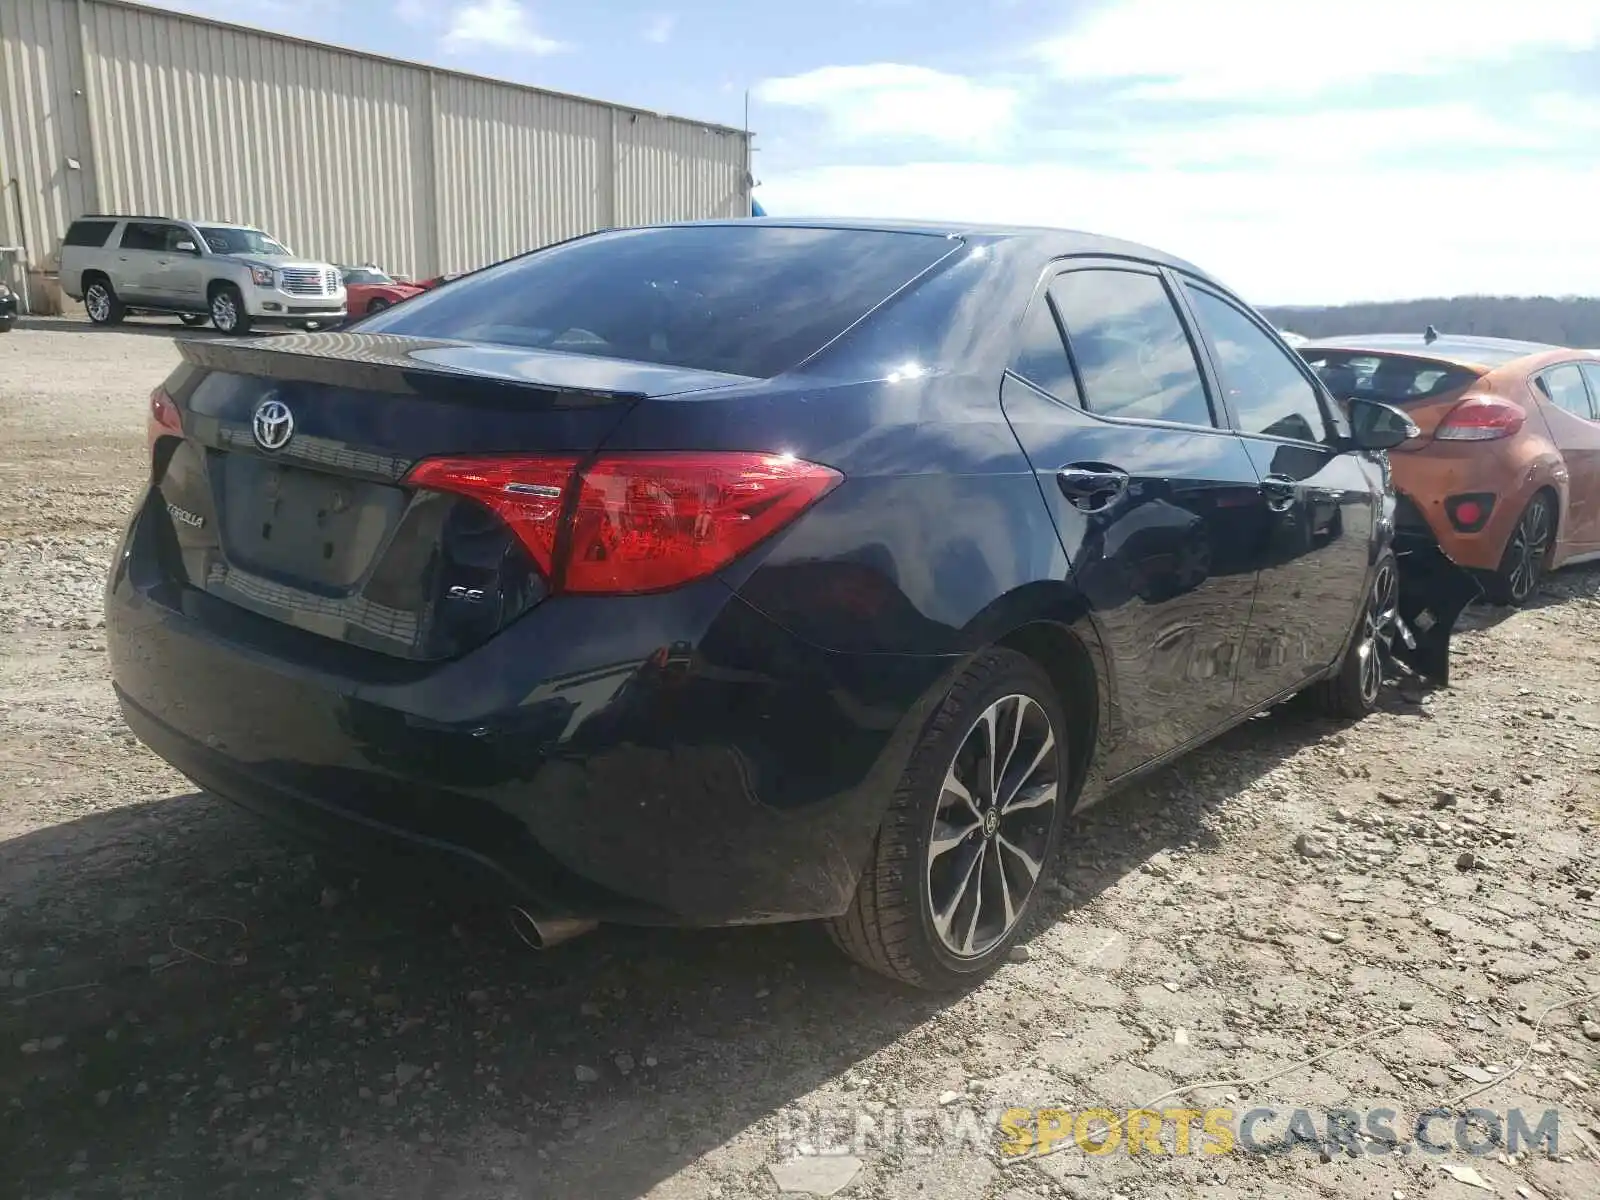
(1279, 491)
(1091, 487)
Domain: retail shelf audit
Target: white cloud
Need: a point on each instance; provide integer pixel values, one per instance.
(659, 29)
(892, 100)
(1301, 234)
(1329, 138)
(502, 24)
(1253, 49)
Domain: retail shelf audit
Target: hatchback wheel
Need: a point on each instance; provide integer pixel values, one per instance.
(1353, 692)
(970, 833)
(1522, 565)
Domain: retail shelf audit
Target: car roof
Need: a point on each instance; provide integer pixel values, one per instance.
(1463, 350)
(1049, 242)
(158, 217)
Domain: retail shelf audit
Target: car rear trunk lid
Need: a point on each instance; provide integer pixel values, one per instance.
(286, 495)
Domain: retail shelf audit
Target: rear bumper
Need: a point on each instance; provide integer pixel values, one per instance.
(1425, 479)
(670, 759)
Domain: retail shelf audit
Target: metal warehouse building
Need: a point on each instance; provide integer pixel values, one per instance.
(108, 106)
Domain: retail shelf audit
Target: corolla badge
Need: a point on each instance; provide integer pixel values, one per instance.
(272, 424)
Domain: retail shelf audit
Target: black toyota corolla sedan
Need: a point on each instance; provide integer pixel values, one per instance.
(749, 571)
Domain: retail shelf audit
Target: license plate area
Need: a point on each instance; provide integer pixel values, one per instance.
(304, 527)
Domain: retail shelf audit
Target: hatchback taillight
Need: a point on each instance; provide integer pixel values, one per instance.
(1480, 419)
(629, 523)
(163, 420)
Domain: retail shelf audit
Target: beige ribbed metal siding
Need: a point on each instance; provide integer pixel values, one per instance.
(42, 124)
(516, 169)
(343, 155)
(318, 146)
(671, 170)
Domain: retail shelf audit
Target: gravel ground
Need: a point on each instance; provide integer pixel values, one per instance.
(191, 1006)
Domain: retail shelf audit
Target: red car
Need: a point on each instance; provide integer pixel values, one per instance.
(369, 290)
(427, 284)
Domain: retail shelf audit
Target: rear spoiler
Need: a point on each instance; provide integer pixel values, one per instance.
(379, 362)
(1434, 592)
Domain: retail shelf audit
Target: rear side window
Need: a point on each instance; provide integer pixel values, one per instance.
(146, 235)
(1042, 358)
(1132, 353)
(1267, 391)
(750, 300)
(1591, 375)
(1564, 385)
(1391, 379)
(88, 233)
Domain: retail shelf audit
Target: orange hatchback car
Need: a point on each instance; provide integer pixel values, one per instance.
(1505, 470)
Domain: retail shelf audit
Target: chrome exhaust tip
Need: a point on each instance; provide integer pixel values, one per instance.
(541, 933)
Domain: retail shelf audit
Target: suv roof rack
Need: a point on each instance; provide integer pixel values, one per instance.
(121, 217)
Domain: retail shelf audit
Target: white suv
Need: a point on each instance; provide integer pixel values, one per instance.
(232, 275)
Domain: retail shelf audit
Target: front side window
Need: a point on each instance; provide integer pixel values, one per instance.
(1564, 385)
(1133, 356)
(1265, 388)
(753, 300)
(367, 275)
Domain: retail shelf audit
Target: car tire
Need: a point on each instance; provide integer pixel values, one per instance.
(958, 862)
(1517, 578)
(193, 320)
(1352, 692)
(101, 303)
(7, 323)
(228, 315)
(376, 305)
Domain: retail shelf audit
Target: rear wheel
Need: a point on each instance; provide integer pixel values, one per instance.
(101, 303)
(970, 833)
(1522, 565)
(228, 312)
(1353, 692)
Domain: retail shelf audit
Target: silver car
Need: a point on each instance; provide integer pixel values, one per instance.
(234, 276)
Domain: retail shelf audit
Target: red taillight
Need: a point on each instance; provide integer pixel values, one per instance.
(1480, 419)
(526, 493)
(635, 522)
(163, 420)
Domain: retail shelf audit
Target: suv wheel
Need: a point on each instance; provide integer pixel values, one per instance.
(971, 831)
(228, 312)
(101, 303)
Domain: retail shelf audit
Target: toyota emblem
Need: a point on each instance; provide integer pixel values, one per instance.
(273, 424)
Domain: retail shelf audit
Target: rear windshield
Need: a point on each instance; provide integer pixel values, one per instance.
(1389, 378)
(743, 299)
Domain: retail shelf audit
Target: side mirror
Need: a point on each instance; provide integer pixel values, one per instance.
(187, 247)
(1377, 426)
